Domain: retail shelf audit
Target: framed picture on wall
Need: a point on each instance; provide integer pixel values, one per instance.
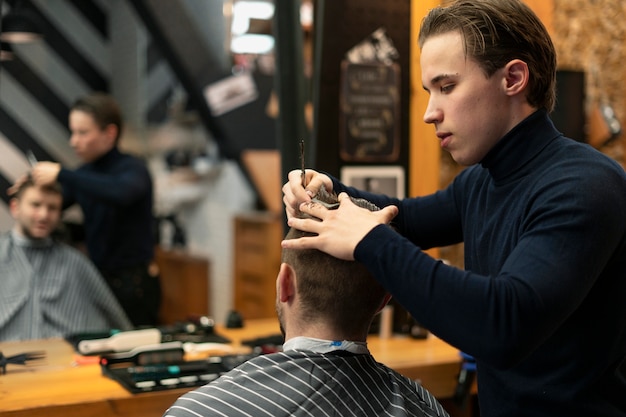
(388, 180)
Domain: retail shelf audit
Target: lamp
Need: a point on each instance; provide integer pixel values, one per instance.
(6, 52)
(19, 26)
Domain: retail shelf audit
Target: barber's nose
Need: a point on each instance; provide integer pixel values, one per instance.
(432, 114)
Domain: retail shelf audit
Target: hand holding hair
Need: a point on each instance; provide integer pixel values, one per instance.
(338, 230)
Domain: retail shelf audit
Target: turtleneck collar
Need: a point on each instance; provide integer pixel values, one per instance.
(511, 158)
(26, 242)
(109, 156)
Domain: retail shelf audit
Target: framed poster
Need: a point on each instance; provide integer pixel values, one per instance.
(369, 114)
(388, 180)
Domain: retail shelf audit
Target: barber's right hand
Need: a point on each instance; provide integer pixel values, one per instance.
(295, 194)
(45, 172)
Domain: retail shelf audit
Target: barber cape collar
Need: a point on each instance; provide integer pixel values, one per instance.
(27, 242)
(325, 346)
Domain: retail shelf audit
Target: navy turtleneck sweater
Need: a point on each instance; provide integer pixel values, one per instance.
(115, 195)
(541, 304)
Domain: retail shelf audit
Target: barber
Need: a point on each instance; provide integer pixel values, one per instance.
(114, 191)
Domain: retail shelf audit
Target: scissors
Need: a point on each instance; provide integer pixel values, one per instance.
(303, 175)
(32, 160)
(322, 190)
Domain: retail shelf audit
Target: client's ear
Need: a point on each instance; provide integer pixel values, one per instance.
(286, 283)
(14, 207)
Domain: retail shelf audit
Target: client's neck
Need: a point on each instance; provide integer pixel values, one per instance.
(322, 330)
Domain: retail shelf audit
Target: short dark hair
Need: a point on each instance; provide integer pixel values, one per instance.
(345, 292)
(53, 187)
(496, 32)
(103, 108)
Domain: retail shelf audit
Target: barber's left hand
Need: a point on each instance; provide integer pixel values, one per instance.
(45, 172)
(340, 230)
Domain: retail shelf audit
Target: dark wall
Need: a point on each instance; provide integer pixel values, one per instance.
(569, 113)
(340, 25)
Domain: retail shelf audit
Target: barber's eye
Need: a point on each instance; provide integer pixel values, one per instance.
(446, 88)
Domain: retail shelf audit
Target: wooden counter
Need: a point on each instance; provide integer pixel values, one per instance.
(58, 386)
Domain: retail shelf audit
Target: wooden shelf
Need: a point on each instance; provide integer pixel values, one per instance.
(257, 260)
(184, 285)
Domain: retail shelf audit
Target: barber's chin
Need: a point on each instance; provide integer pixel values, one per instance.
(463, 159)
(83, 157)
(86, 158)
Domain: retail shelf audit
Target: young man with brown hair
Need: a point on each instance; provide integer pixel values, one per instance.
(49, 289)
(114, 191)
(540, 304)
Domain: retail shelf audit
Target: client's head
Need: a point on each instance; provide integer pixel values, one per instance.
(328, 292)
(36, 209)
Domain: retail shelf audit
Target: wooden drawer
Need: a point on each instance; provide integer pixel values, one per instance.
(257, 260)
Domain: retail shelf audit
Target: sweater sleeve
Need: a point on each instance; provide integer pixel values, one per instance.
(121, 188)
(428, 222)
(567, 237)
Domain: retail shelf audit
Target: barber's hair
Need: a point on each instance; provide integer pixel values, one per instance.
(496, 32)
(338, 291)
(54, 187)
(103, 108)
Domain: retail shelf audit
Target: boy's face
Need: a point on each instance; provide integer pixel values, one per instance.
(89, 141)
(470, 112)
(36, 212)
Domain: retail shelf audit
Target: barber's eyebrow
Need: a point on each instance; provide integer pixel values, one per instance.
(441, 77)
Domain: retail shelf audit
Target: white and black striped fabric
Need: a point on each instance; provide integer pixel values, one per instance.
(298, 383)
(49, 289)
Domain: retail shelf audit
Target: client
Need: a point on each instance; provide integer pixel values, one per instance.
(325, 307)
(49, 289)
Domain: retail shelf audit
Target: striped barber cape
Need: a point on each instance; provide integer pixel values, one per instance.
(303, 383)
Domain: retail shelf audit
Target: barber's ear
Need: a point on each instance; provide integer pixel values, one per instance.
(516, 77)
(111, 130)
(286, 283)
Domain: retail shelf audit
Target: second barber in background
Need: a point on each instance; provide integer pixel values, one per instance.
(114, 191)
